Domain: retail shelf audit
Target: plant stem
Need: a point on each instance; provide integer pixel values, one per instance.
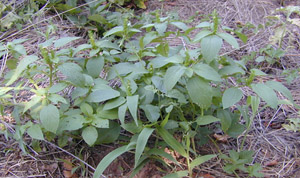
(51, 76)
(247, 130)
(188, 143)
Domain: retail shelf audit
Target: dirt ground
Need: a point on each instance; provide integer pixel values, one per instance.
(275, 148)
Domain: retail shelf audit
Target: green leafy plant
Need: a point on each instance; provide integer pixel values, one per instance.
(293, 125)
(237, 160)
(151, 89)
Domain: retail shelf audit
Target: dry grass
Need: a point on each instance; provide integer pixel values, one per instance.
(275, 148)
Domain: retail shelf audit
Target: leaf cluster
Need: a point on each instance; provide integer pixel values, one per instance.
(160, 90)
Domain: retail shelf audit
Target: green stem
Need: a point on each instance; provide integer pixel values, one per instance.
(236, 174)
(51, 75)
(247, 130)
(188, 143)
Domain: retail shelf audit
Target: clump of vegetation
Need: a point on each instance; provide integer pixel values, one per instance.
(161, 89)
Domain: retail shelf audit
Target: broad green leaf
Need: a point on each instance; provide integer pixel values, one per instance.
(140, 4)
(255, 101)
(200, 160)
(72, 122)
(63, 41)
(57, 87)
(180, 25)
(172, 76)
(161, 27)
(254, 170)
(102, 95)
(178, 174)
(114, 30)
(231, 96)
(132, 103)
(109, 135)
(158, 62)
(114, 103)
(86, 109)
(98, 18)
(35, 132)
(230, 70)
(201, 35)
(79, 92)
(163, 49)
(55, 98)
(205, 120)
(236, 129)
(109, 158)
(120, 69)
(49, 117)
(132, 127)
(207, 72)
(141, 143)
(21, 67)
(176, 59)
(81, 47)
(229, 39)
(35, 100)
(242, 36)
(203, 24)
(281, 88)
(171, 141)
(226, 119)
(174, 93)
(200, 92)
(210, 47)
(73, 72)
(107, 44)
(100, 123)
(107, 114)
(94, 66)
(266, 93)
(258, 72)
(152, 112)
(89, 135)
(122, 112)
(148, 38)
